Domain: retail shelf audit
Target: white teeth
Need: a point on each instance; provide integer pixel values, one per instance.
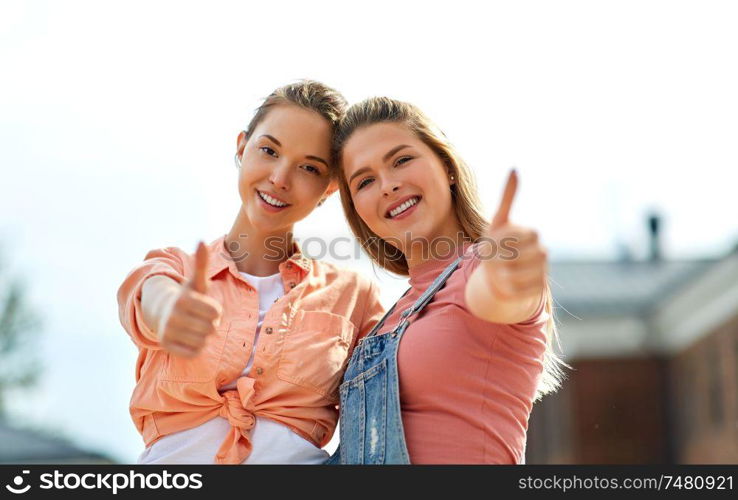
(270, 200)
(409, 203)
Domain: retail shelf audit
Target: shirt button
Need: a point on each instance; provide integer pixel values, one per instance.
(259, 371)
(269, 330)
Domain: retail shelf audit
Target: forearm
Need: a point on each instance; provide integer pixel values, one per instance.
(157, 293)
(485, 304)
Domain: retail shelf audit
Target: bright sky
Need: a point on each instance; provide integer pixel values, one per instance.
(118, 123)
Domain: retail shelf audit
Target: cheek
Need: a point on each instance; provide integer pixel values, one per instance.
(244, 179)
(251, 170)
(366, 209)
(307, 190)
(438, 190)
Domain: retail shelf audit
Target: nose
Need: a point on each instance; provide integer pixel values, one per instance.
(389, 187)
(279, 178)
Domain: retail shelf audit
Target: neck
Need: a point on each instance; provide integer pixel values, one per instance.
(442, 245)
(257, 252)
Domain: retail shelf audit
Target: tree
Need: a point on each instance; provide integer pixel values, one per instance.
(19, 366)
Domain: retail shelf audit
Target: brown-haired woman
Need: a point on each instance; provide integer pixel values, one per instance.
(476, 327)
(242, 346)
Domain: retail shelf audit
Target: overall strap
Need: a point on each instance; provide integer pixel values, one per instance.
(386, 315)
(427, 296)
(422, 301)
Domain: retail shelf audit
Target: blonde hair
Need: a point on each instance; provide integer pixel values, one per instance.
(464, 197)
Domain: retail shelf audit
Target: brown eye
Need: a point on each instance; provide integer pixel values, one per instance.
(268, 150)
(312, 169)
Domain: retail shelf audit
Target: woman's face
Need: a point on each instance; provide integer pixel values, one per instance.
(400, 187)
(284, 167)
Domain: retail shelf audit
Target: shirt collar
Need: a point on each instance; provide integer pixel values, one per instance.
(220, 259)
(298, 259)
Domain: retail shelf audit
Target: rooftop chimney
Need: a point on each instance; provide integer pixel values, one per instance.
(654, 229)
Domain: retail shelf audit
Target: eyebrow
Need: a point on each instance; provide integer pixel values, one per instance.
(309, 157)
(317, 158)
(386, 157)
(272, 138)
(393, 151)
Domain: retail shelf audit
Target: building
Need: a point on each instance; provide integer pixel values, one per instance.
(654, 347)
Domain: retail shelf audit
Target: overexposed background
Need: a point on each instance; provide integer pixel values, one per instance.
(118, 124)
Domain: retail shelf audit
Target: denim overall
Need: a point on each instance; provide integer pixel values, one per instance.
(371, 428)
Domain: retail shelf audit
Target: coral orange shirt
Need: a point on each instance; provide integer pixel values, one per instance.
(302, 351)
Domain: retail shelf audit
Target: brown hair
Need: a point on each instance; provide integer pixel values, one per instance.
(309, 94)
(464, 197)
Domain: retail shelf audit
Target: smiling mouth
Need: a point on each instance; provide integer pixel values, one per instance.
(391, 214)
(272, 201)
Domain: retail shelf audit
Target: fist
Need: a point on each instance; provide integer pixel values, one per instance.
(515, 263)
(190, 315)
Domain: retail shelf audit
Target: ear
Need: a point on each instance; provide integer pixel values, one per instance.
(332, 188)
(241, 141)
(452, 178)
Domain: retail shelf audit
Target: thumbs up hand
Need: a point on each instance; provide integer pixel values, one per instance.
(190, 315)
(513, 259)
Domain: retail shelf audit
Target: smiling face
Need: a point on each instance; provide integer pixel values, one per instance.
(399, 187)
(284, 167)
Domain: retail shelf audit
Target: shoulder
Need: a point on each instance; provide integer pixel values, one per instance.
(470, 260)
(342, 276)
(173, 254)
(170, 252)
(169, 257)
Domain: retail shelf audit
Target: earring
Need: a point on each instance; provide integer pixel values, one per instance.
(236, 159)
(452, 177)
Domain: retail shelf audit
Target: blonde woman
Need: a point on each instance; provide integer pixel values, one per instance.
(242, 346)
(450, 374)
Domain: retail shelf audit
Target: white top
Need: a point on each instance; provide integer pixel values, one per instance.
(269, 290)
(273, 443)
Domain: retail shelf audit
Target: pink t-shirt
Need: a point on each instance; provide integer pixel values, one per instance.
(466, 385)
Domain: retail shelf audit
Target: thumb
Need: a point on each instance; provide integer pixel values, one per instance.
(503, 212)
(199, 281)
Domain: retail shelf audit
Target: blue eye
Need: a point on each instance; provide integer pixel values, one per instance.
(364, 182)
(268, 150)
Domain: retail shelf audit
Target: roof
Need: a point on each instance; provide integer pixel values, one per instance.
(617, 288)
(27, 446)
